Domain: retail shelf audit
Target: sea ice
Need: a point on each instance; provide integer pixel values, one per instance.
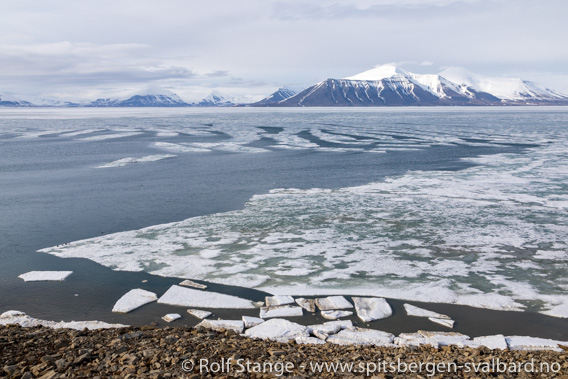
(40, 276)
(308, 304)
(303, 340)
(189, 297)
(372, 308)
(443, 321)
(334, 315)
(133, 299)
(360, 336)
(278, 330)
(199, 313)
(235, 325)
(171, 317)
(331, 327)
(20, 318)
(332, 302)
(413, 310)
(191, 283)
(271, 301)
(280, 311)
(492, 342)
(533, 343)
(250, 321)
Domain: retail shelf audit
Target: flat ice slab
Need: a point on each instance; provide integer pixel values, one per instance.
(334, 315)
(281, 311)
(236, 326)
(449, 323)
(372, 308)
(189, 297)
(360, 336)
(22, 319)
(434, 339)
(413, 310)
(308, 304)
(333, 302)
(533, 343)
(199, 313)
(271, 301)
(171, 317)
(191, 283)
(278, 329)
(250, 321)
(134, 299)
(492, 342)
(44, 276)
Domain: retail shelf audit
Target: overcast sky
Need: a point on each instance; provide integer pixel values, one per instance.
(88, 49)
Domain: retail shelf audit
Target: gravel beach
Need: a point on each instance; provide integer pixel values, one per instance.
(151, 352)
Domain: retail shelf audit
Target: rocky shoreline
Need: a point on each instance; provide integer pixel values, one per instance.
(152, 352)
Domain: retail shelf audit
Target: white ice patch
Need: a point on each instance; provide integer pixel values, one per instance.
(199, 313)
(189, 297)
(334, 315)
(372, 308)
(250, 321)
(43, 276)
(20, 318)
(271, 301)
(277, 330)
(413, 310)
(534, 343)
(333, 302)
(130, 160)
(360, 336)
(171, 317)
(280, 311)
(236, 326)
(133, 299)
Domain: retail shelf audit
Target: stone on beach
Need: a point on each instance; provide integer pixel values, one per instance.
(133, 299)
(275, 300)
(199, 313)
(413, 310)
(443, 321)
(277, 329)
(361, 336)
(236, 326)
(191, 283)
(43, 276)
(189, 297)
(333, 302)
(281, 311)
(308, 304)
(334, 315)
(250, 321)
(372, 308)
(171, 317)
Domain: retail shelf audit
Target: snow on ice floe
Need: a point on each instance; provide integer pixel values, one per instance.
(413, 310)
(474, 236)
(191, 283)
(20, 318)
(371, 308)
(130, 160)
(492, 342)
(281, 311)
(534, 343)
(308, 304)
(189, 297)
(133, 299)
(250, 321)
(199, 313)
(171, 317)
(41, 276)
(334, 315)
(361, 336)
(236, 326)
(271, 301)
(277, 329)
(333, 302)
(449, 323)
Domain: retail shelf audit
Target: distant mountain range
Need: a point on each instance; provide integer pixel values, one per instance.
(385, 85)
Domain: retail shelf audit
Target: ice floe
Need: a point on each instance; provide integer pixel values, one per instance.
(41, 276)
(334, 315)
(133, 299)
(361, 336)
(271, 301)
(250, 321)
(333, 302)
(278, 330)
(308, 304)
(371, 308)
(434, 339)
(303, 340)
(191, 283)
(199, 313)
(236, 326)
(171, 317)
(129, 160)
(492, 342)
(413, 310)
(331, 327)
(189, 297)
(281, 311)
(22, 319)
(449, 323)
(534, 343)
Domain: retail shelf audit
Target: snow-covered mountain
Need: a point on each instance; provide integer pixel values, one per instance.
(281, 94)
(388, 85)
(218, 99)
(149, 98)
(13, 101)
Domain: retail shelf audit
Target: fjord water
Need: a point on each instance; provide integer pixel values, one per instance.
(461, 205)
